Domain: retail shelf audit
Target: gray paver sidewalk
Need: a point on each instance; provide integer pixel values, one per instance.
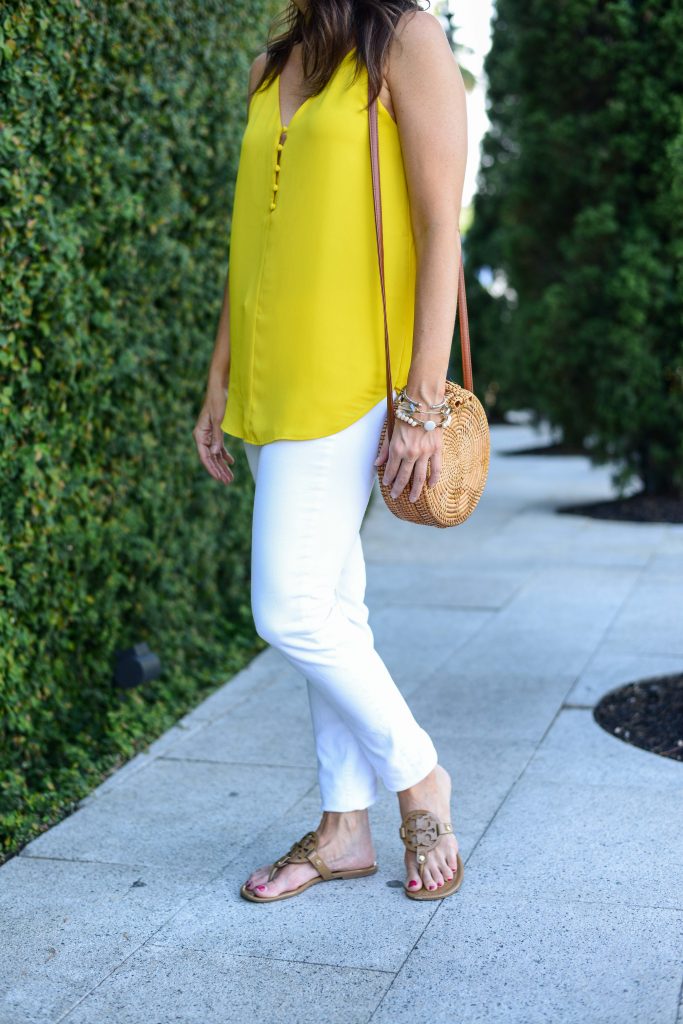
(572, 905)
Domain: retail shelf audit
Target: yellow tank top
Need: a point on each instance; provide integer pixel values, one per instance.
(306, 327)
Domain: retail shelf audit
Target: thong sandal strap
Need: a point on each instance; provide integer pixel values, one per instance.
(305, 849)
(420, 832)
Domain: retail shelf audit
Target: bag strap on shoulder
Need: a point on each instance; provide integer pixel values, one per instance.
(462, 301)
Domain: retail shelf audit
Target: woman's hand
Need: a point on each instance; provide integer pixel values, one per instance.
(208, 436)
(409, 451)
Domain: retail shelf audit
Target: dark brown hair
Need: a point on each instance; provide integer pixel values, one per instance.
(328, 30)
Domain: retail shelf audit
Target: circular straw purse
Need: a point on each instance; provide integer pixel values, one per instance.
(466, 440)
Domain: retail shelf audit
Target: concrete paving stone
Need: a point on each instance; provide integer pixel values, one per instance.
(301, 928)
(577, 750)
(482, 774)
(404, 543)
(483, 589)
(462, 702)
(522, 961)
(245, 735)
(547, 549)
(264, 671)
(571, 838)
(160, 985)
(552, 625)
(534, 524)
(651, 621)
(413, 642)
(388, 538)
(572, 598)
(179, 731)
(666, 564)
(616, 532)
(176, 814)
(588, 843)
(267, 669)
(65, 925)
(534, 650)
(509, 437)
(611, 667)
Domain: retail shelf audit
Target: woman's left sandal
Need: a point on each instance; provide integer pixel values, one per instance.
(420, 832)
(306, 849)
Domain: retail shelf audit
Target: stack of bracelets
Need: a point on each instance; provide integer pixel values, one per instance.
(407, 409)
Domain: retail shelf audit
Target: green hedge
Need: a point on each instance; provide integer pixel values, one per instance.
(121, 125)
(580, 212)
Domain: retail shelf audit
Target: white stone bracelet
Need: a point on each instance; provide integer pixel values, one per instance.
(427, 424)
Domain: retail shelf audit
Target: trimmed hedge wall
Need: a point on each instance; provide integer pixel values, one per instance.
(121, 125)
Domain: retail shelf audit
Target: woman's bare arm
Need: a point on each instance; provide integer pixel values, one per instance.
(428, 97)
(207, 433)
(219, 367)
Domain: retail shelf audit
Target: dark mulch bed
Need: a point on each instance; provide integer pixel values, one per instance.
(638, 508)
(647, 714)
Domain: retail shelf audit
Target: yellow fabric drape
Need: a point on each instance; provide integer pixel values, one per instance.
(306, 326)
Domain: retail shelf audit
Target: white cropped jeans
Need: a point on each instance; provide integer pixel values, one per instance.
(308, 600)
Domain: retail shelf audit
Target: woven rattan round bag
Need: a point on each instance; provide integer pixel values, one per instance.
(466, 440)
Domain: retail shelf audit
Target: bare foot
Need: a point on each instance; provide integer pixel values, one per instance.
(345, 842)
(433, 794)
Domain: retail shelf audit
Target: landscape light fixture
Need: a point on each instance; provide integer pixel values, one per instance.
(134, 666)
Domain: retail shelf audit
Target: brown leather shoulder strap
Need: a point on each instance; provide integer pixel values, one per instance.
(462, 301)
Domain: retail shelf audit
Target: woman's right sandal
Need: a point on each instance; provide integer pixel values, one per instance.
(306, 849)
(420, 832)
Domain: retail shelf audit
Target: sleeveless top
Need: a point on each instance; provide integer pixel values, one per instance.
(306, 326)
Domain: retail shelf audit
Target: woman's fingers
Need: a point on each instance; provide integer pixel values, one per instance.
(405, 459)
(435, 462)
(419, 477)
(383, 452)
(218, 454)
(402, 477)
(212, 454)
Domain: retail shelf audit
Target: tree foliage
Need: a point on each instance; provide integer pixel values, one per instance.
(576, 251)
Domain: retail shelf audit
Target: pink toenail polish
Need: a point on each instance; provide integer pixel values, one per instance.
(261, 887)
(411, 884)
(439, 884)
(432, 887)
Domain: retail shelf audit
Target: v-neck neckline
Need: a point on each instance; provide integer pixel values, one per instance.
(278, 98)
(286, 124)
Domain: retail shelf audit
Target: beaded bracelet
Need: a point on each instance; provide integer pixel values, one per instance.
(413, 405)
(407, 407)
(429, 424)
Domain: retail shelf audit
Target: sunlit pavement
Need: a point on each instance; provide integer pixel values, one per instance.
(503, 633)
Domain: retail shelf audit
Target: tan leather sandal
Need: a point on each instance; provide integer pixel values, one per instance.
(306, 849)
(420, 832)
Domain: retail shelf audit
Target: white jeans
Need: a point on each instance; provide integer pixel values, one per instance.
(308, 600)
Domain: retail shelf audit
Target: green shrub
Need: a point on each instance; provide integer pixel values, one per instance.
(580, 213)
(121, 125)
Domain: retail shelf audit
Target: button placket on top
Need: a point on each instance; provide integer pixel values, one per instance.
(276, 173)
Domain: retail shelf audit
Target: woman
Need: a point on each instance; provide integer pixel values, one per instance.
(298, 373)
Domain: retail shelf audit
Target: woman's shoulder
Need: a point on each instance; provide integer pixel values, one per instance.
(417, 28)
(420, 56)
(256, 72)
